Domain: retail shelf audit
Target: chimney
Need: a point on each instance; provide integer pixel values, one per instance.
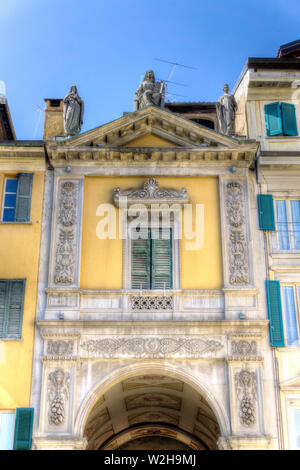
(54, 118)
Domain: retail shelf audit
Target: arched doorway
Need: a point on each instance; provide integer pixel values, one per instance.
(150, 409)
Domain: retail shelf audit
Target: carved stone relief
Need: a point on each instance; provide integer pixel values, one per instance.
(245, 384)
(238, 253)
(60, 348)
(151, 347)
(66, 243)
(243, 348)
(58, 392)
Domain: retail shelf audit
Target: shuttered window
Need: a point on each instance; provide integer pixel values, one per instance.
(289, 119)
(11, 307)
(266, 212)
(151, 260)
(17, 198)
(273, 119)
(275, 313)
(280, 119)
(287, 225)
(23, 429)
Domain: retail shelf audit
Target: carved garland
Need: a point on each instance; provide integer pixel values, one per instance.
(58, 392)
(238, 253)
(245, 383)
(65, 249)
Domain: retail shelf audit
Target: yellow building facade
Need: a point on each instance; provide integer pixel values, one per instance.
(22, 171)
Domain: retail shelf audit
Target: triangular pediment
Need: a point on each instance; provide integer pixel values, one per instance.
(157, 127)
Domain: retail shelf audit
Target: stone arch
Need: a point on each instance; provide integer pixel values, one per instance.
(135, 370)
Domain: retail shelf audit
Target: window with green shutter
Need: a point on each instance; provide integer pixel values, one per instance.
(17, 198)
(275, 313)
(273, 119)
(11, 307)
(280, 119)
(23, 429)
(151, 260)
(289, 119)
(266, 211)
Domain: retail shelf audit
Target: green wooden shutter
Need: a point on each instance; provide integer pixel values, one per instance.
(15, 309)
(161, 259)
(11, 307)
(140, 262)
(289, 119)
(266, 211)
(23, 197)
(4, 286)
(273, 119)
(23, 429)
(275, 313)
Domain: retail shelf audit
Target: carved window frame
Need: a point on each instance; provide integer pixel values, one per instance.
(152, 197)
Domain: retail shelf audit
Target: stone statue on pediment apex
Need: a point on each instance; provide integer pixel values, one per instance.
(226, 108)
(73, 112)
(149, 92)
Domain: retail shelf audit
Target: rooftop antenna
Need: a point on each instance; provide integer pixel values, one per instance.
(174, 64)
(39, 110)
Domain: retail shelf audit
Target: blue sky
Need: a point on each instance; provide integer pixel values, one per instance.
(104, 47)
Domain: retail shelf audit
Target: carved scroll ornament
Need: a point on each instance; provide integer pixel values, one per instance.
(151, 347)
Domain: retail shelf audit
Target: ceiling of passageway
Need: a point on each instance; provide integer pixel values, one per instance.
(151, 405)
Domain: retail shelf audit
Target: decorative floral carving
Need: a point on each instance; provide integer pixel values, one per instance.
(58, 392)
(64, 269)
(60, 348)
(238, 254)
(67, 204)
(66, 247)
(151, 191)
(244, 348)
(151, 346)
(245, 383)
(151, 302)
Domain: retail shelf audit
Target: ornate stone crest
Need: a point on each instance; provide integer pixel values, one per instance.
(151, 192)
(58, 392)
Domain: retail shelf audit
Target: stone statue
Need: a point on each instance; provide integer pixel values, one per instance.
(73, 112)
(226, 108)
(149, 92)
